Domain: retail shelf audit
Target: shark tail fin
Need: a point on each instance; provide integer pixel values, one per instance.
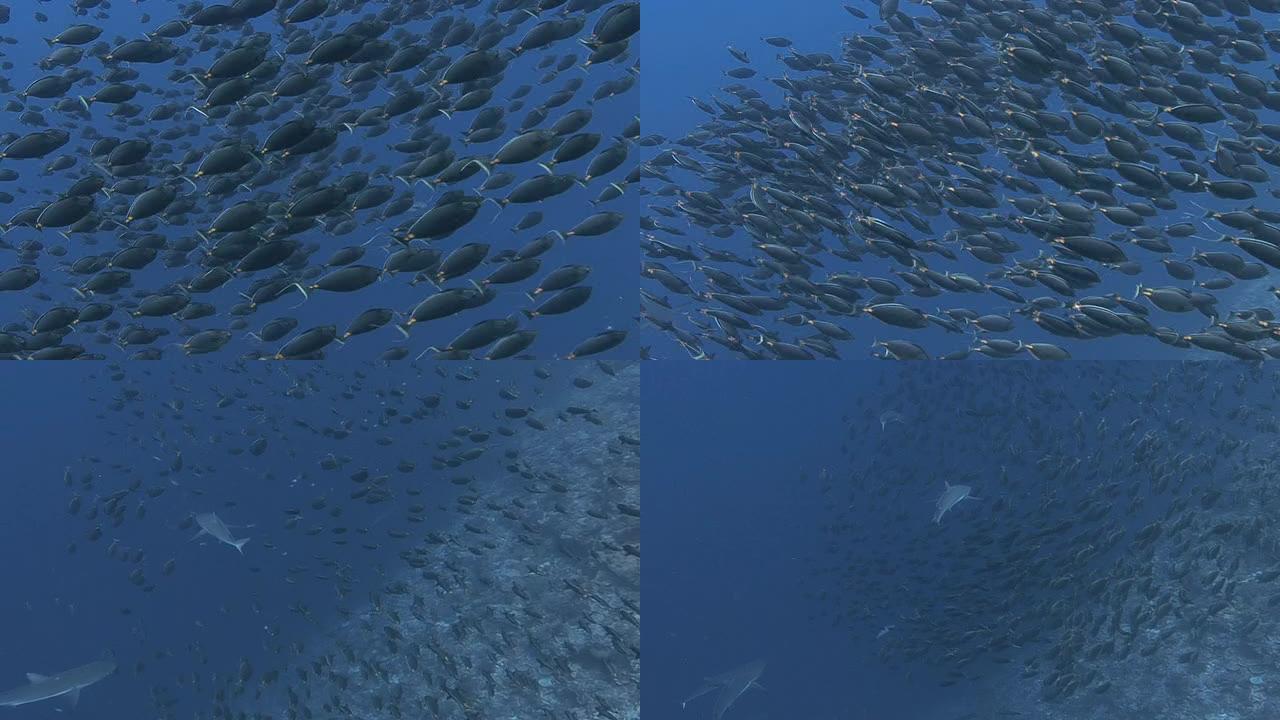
(240, 544)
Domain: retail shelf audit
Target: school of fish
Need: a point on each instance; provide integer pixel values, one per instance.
(186, 189)
(999, 177)
(437, 561)
(1113, 556)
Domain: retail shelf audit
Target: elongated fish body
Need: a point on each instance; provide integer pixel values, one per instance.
(68, 683)
(212, 525)
(951, 495)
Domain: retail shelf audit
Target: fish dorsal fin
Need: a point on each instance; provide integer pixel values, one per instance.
(36, 678)
(73, 697)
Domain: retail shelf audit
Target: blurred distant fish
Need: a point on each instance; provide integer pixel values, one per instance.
(68, 683)
(890, 416)
(731, 685)
(211, 524)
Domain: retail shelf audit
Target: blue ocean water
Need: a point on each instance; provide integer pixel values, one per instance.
(685, 44)
(110, 463)
(688, 45)
(366, 149)
(731, 529)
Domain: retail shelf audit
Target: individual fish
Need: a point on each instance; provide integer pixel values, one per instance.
(211, 525)
(67, 684)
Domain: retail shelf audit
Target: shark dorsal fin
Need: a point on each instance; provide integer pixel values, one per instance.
(36, 678)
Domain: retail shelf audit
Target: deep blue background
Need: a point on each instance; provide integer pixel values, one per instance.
(684, 44)
(611, 256)
(730, 524)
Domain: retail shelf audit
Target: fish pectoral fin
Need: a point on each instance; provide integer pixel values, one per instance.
(36, 678)
(73, 697)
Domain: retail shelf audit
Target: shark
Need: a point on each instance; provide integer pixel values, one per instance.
(951, 494)
(212, 525)
(68, 683)
(890, 416)
(731, 684)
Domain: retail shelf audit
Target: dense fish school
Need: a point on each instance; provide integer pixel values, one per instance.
(278, 176)
(989, 176)
(403, 542)
(1114, 556)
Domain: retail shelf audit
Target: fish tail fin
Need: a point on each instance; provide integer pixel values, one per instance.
(84, 102)
(305, 296)
(501, 207)
(240, 544)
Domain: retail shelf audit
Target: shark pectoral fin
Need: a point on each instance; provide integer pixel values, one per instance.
(36, 678)
(73, 697)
